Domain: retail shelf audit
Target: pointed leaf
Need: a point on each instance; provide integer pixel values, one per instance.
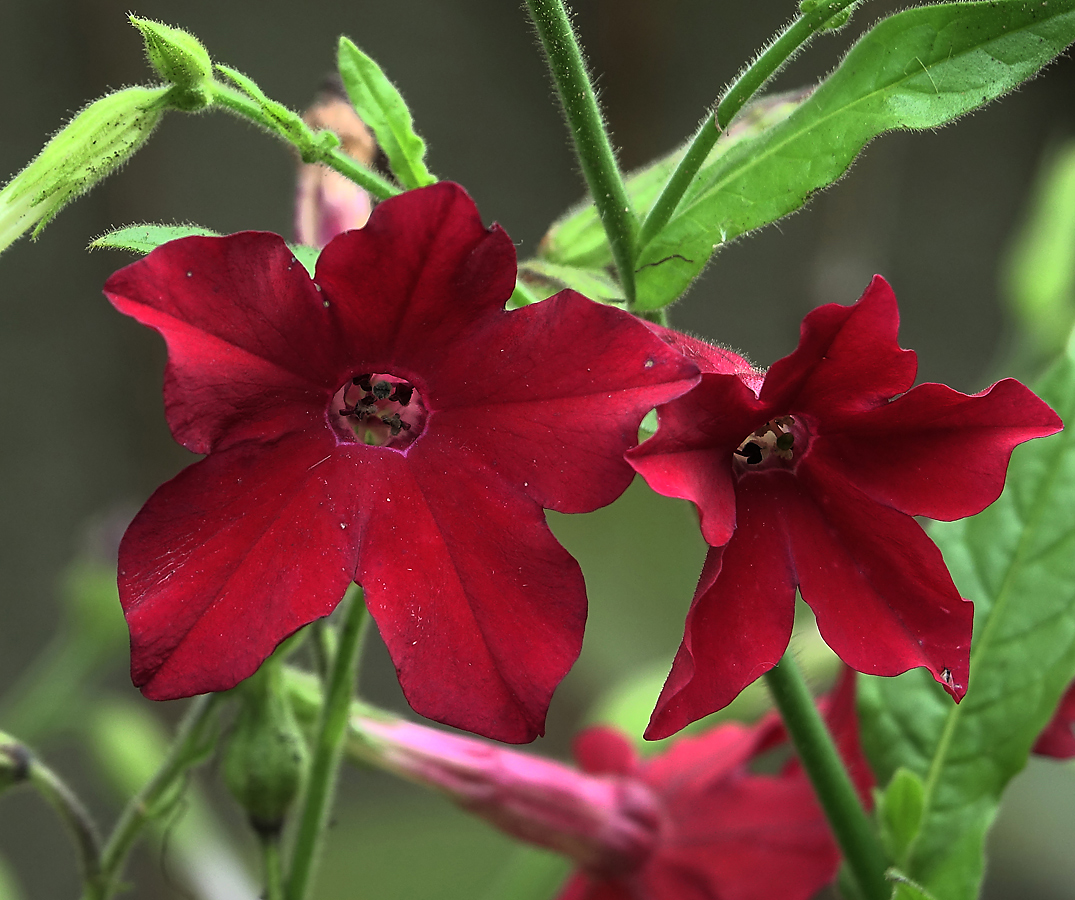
(899, 812)
(380, 105)
(146, 237)
(1016, 561)
(917, 69)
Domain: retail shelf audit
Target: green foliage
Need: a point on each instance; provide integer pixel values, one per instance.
(899, 811)
(1039, 278)
(917, 69)
(380, 105)
(181, 60)
(146, 237)
(9, 887)
(577, 239)
(1016, 562)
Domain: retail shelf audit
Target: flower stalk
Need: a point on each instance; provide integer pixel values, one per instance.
(752, 79)
(829, 777)
(592, 144)
(328, 749)
(192, 742)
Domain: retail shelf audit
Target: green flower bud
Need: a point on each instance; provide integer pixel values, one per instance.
(14, 762)
(266, 756)
(91, 146)
(180, 59)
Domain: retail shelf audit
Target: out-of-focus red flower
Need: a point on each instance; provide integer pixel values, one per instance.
(387, 422)
(812, 481)
(726, 833)
(1058, 738)
(694, 823)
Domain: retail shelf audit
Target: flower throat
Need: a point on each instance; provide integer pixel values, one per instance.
(380, 410)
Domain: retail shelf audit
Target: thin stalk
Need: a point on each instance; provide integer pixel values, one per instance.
(592, 144)
(79, 823)
(750, 81)
(328, 749)
(272, 866)
(238, 103)
(832, 785)
(187, 750)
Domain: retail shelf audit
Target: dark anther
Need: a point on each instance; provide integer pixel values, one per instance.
(402, 394)
(785, 441)
(395, 423)
(363, 381)
(751, 453)
(381, 390)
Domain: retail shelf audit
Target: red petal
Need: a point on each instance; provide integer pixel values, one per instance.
(601, 750)
(847, 360)
(710, 359)
(935, 452)
(230, 557)
(239, 315)
(740, 619)
(690, 456)
(1058, 738)
(482, 610)
(407, 287)
(883, 597)
(556, 417)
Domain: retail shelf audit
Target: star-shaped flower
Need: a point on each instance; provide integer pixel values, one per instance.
(811, 479)
(388, 422)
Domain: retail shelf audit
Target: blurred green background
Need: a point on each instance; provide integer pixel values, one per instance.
(84, 439)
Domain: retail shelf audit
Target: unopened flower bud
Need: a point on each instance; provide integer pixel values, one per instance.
(181, 60)
(91, 146)
(266, 756)
(609, 824)
(327, 203)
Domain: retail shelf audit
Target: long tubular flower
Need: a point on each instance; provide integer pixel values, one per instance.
(811, 480)
(388, 422)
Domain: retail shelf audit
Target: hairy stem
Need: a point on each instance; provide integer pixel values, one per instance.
(592, 144)
(750, 81)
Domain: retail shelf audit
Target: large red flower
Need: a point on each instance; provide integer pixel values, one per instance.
(812, 481)
(387, 421)
(725, 832)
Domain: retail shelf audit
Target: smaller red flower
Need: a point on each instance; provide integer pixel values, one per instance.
(1058, 738)
(726, 833)
(812, 480)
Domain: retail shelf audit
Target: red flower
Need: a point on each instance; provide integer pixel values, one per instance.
(1058, 737)
(812, 482)
(725, 834)
(388, 422)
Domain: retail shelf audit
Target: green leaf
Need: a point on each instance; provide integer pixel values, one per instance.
(597, 284)
(917, 69)
(905, 888)
(1016, 561)
(147, 237)
(380, 105)
(899, 812)
(306, 255)
(1039, 278)
(578, 238)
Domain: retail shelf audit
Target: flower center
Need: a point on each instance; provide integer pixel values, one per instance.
(779, 438)
(379, 410)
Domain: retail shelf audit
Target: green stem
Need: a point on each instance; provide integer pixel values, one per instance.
(238, 103)
(750, 81)
(74, 815)
(188, 749)
(273, 867)
(592, 143)
(821, 760)
(329, 747)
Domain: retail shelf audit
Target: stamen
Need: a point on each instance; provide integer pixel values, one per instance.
(381, 390)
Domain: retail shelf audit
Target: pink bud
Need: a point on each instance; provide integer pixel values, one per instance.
(609, 824)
